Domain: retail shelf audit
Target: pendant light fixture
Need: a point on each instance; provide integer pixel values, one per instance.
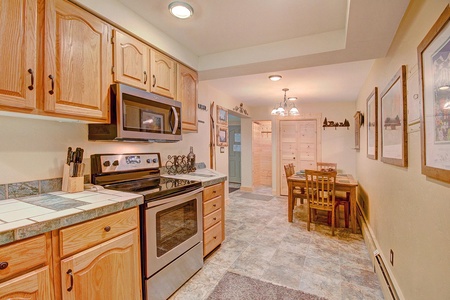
(285, 108)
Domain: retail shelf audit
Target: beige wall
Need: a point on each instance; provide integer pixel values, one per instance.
(407, 212)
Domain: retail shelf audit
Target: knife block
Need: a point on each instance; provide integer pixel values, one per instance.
(71, 184)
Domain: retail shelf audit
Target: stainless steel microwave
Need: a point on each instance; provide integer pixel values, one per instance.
(137, 115)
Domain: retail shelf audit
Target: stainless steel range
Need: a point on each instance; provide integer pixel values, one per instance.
(171, 218)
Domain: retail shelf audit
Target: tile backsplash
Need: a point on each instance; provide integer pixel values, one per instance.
(30, 188)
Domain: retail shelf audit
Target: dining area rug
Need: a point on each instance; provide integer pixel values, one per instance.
(233, 286)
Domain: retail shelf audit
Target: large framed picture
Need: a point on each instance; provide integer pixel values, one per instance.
(394, 144)
(372, 124)
(222, 135)
(222, 115)
(434, 75)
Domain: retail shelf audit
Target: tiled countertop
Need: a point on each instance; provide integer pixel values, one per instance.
(206, 176)
(29, 216)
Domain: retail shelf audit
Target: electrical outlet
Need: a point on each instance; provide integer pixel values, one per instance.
(391, 257)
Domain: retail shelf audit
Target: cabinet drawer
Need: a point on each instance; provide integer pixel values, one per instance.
(212, 238)
(212, 191)
(22, 256)
(212, 205)
(90, 233)
(212, 218)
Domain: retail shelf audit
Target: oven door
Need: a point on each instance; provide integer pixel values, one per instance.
(172, 227)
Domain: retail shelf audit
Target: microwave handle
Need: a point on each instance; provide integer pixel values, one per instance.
(175, 125)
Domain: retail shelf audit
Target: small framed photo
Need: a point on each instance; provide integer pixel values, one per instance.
(434, 69)
(372, 124)
(152, 122)
(394, 149)
(222, 115)
(222, 135)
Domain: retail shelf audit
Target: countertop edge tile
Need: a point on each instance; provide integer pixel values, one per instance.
(21, 232)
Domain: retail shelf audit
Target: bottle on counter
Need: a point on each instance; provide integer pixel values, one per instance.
(191, 160)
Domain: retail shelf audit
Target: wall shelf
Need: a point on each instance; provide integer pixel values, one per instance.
(327, 123)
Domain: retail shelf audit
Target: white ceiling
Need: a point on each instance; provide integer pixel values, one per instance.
(324, 49)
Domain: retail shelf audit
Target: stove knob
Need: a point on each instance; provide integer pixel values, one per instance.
(155, 160)
(149, 161)
(116, 163)
(106, 163)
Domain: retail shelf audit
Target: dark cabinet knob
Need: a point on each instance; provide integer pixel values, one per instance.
(108, 228)
(3, 265)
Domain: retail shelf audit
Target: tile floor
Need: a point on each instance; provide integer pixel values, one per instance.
(261, 244)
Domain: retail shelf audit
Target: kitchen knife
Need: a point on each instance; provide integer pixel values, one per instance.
(69, 155)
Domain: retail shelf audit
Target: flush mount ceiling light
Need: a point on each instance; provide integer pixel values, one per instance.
(181, 10)
(283, 109)
(275, 77)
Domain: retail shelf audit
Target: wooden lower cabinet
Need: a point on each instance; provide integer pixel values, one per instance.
(25, 269)
(34, 285)
(213, 217)
(109, 271)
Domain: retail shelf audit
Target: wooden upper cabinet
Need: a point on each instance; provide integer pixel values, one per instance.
(131, 58)
(18, 48)
(187, 93)
(77, 62)
(163, 74)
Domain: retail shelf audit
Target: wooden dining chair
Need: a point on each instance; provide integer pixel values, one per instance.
(326, 166)
(297, 192)
(342, 199)
(320, 194)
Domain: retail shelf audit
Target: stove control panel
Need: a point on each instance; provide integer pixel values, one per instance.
(124, 162)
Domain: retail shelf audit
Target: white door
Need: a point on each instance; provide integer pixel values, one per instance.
(298, 145)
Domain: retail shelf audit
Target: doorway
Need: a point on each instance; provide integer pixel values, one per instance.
(262, 153)
(234, 153)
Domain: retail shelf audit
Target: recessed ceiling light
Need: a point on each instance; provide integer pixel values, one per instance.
(181, 10)
(275, 77)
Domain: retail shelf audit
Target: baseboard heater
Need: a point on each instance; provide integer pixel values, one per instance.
(385, 274)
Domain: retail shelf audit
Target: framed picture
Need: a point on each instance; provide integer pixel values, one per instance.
(358, 122)
(222, 115)
(434, 75)
(152, 122)
(372, 124)
(222, 135)
(394, 148)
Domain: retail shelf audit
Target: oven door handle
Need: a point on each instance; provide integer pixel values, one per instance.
(173, 199)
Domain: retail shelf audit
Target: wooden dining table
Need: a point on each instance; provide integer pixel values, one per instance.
(344, 183)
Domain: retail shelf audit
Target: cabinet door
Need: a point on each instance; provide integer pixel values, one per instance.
(34, 285)
(109, 271)
(187, 94)
(130, 60)
(77, 62)
(18, 53)
(164, 74)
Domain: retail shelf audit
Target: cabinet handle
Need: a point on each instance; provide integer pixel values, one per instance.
(31, 87)
(107, 228)
(51, 92)
(145, 77)
(69, 272)
(214, 219)
(3, 265)
(214, 192)
(154, 80)
(214, 205)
